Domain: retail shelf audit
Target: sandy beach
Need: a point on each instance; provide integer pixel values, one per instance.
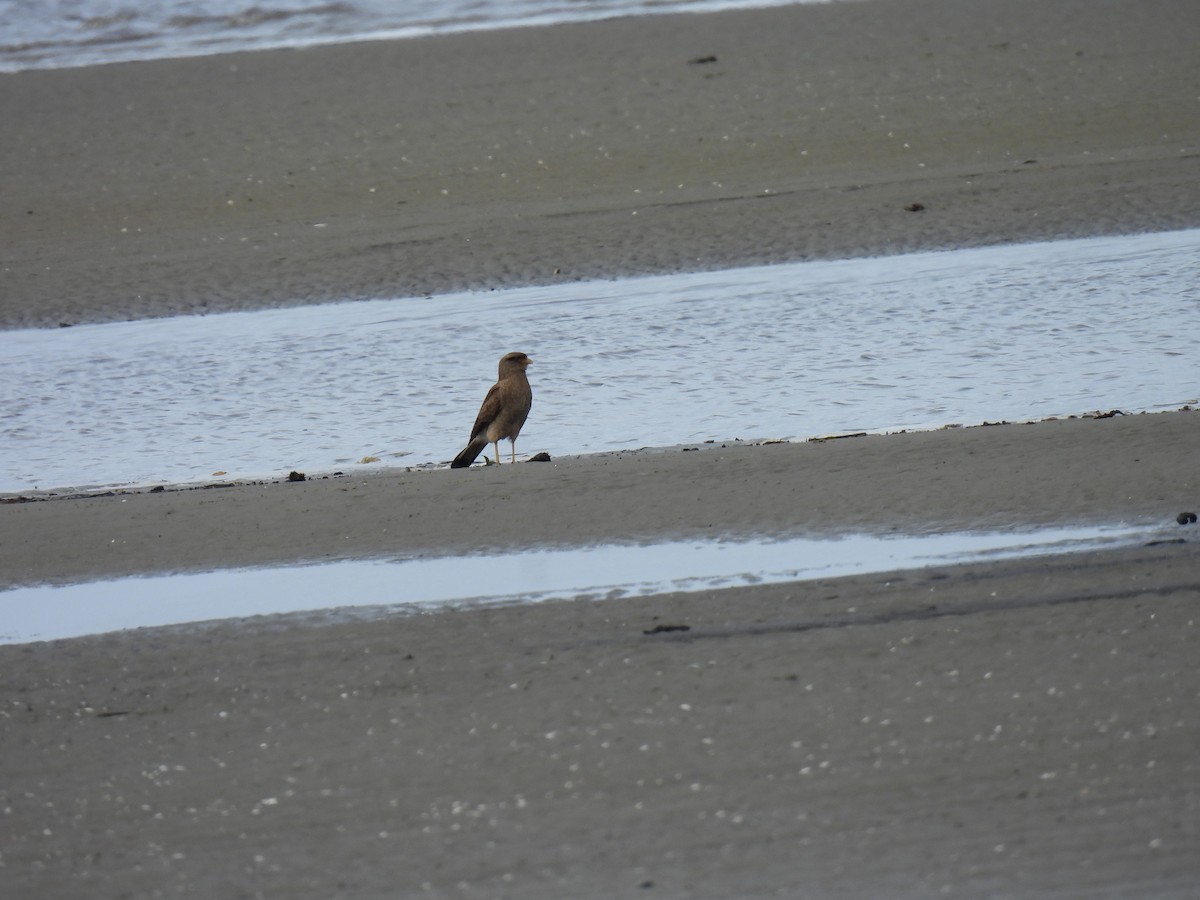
(591, 151)
(1005, 729)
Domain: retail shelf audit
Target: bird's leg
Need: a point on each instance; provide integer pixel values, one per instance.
(514, 451)
(497, 448)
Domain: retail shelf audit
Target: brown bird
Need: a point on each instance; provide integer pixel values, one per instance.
(503, 412)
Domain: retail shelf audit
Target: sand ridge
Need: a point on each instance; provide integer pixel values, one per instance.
(1118, 469)
(595, 150)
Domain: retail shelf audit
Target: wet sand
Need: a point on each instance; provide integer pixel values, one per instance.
(1024, 728)
(599, 150)
(1019, 729)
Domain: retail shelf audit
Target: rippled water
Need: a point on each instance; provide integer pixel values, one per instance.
(381, 587)
(65, 33)
(789, 351)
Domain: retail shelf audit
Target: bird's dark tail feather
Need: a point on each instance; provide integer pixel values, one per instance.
(469, 454)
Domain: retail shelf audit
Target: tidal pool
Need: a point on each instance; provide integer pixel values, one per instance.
(358, 588)
(789, 351)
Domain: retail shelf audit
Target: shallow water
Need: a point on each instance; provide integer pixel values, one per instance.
(370, 588)
(66, 33)
(788, 351)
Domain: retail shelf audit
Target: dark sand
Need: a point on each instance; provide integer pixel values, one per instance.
(1015, 729)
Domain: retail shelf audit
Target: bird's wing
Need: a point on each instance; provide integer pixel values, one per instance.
(492, 404)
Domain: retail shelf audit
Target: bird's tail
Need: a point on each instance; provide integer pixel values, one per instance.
(469, 453)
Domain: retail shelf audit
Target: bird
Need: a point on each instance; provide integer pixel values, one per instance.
(503, 412)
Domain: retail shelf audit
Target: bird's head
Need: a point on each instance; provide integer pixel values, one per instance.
(513, 362)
